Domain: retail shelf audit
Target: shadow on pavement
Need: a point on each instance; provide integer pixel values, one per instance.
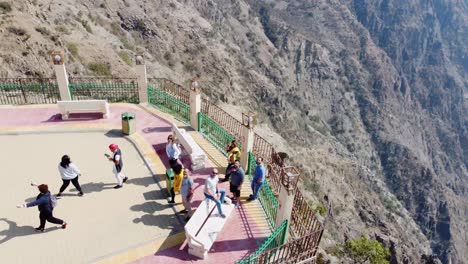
(147, 130)
(142, 181)
(17, 231)
(114, 133)
(91, 187)
(74, 117)
(163, 221)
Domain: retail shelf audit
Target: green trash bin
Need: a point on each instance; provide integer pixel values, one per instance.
(128, 123)
(169, 180)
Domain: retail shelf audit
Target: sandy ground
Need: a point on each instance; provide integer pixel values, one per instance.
(103, 222)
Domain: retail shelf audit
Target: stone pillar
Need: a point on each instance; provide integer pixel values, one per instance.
(62, 76)
(195, 103)
(142, 79)
(290, 176)
(247, 139)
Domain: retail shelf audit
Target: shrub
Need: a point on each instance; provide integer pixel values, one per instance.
(363, 250)
(169, 58)
(127, 43)
(115, 28)
(125, 57)
(99, 68)
(73, 48)
(190, 66)
(62, 29)
(43, 30)
(17, 31)
(5, 7)
(87, 26)
(320, 209)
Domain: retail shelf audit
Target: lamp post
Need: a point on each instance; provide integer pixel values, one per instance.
(248, 121)
(61, 75)
(57, 58)
(195, 102)
(139, 60)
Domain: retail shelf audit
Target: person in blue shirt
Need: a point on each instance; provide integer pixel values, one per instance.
(44, 203)
(258, 179)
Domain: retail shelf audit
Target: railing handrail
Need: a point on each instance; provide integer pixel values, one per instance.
(293, 251)
(101, 76)
(29, 80)
(265, 244)
(228, 122)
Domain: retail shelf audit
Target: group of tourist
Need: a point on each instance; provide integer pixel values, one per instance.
(235, 174)
(183, 182)
(69, 172)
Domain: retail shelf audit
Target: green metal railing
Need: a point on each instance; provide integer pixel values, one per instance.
(19, 91)
(266, 196)
(214, 133)
(273, 241)
(111, 89)
(169, 104)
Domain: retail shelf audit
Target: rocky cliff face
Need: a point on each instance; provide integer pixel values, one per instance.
(369, 95)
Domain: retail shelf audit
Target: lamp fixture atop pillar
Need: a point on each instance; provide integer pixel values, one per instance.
(194, 84)
(57, 57)
(248, 119)
(139, 59)
(290, 177)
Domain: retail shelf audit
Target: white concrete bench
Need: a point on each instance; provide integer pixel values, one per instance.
(204, 226)
(197, 155)
(84, 106)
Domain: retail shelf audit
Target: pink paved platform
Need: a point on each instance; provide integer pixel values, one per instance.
(241, 235)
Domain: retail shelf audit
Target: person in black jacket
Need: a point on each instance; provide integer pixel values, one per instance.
(44, 203)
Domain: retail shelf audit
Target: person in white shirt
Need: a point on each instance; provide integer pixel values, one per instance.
(69, 172)
(211, 190)
(172, 151)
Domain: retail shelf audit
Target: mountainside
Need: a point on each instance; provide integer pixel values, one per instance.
(369, 95)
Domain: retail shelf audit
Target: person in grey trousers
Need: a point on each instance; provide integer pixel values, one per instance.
(237, 179)
(186, 191)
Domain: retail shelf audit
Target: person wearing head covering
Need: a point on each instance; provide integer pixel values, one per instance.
(116, 159)
(44, 203)
(234, 154)
(69, 172)
(178, 175)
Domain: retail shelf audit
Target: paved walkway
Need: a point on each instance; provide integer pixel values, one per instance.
(100, 223)
(245, 229)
